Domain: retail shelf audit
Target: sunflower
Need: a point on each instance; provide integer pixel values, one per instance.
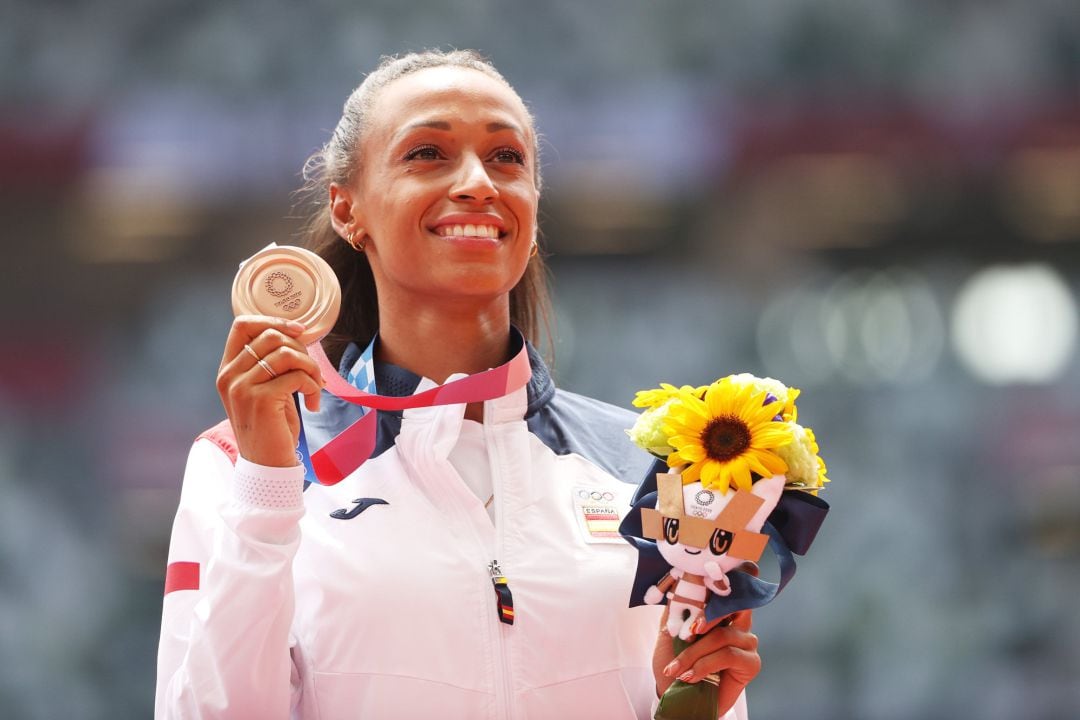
(777, 389)
(726, 435)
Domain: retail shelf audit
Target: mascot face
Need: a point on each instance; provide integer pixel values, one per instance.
(699, 526)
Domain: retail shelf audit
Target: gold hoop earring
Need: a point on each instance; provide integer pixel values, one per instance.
(358, 247)
(535, 249)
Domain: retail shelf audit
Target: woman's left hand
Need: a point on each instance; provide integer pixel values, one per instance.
(726, 647)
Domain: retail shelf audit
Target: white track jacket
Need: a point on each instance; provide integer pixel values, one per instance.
(274, 609)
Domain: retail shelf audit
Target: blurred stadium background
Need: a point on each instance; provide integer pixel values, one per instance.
(878, 202)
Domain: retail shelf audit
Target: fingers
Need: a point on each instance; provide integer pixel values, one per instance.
(715, 641)
(745, 660)
(284, 385)
(246, 328)
(262, 367)
(726, 649)
(744, 667)
(272, 351)
(280, 372)
(726, 653)
(742, 620)
(279, 355)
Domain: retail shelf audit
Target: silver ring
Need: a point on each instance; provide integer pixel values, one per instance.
(266, 366)
(252, 352)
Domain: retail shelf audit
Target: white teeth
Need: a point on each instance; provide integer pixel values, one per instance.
(483, 231)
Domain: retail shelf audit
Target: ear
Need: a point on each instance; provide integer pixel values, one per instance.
(344, 211)
(769, 490)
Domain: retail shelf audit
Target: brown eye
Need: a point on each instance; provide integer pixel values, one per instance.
(720, 541)
(509, 155)
(423, 152)
(671, 530)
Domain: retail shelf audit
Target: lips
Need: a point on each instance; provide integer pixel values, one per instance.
(471, 231)
(470, 226)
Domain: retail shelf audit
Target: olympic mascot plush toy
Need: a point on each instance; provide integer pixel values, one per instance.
(703, 535)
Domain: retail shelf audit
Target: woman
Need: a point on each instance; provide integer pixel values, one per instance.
(277, 604)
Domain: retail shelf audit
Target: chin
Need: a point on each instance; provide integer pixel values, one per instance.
(483, 281)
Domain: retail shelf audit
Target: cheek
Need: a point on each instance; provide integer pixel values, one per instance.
(524, 200)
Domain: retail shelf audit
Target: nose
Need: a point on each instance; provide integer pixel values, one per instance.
(473, 184)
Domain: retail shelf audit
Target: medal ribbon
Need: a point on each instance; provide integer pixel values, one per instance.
(347, 451)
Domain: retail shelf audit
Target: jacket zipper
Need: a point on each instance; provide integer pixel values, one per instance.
(500, 630)
(503, 597)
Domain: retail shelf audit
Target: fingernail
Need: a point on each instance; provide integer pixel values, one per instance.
(687, 676)
(671, 669)
(293, 325)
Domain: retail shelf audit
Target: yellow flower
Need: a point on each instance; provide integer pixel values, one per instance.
(821, 469)
(806, 469)
(791, 413)
(777, 389)
(725, 436)
(648, 432)
(658, 396)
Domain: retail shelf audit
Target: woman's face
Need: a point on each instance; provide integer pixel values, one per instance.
(446, 191)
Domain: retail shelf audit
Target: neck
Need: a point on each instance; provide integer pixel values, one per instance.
(438, 339)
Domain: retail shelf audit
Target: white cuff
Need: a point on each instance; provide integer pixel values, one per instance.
(268, 488)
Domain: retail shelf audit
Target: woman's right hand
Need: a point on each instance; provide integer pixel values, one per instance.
(260, 406)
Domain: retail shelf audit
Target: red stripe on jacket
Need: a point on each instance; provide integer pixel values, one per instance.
(181, 576)
(185, 575)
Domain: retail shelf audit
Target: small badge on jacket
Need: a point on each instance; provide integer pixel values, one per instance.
(597, 513)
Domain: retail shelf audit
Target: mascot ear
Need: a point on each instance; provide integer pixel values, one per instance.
(769, 490)
(669, 499)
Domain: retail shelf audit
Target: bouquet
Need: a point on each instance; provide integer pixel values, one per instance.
(736, 472)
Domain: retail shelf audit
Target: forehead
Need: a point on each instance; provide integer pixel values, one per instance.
(450, 94)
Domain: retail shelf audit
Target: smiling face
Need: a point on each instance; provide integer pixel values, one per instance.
(446, 192)
(700, 505)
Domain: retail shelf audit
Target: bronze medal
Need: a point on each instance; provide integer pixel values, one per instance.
(291, 283)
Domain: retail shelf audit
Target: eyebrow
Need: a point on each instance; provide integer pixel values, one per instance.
(491, 127)
(497, 126)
